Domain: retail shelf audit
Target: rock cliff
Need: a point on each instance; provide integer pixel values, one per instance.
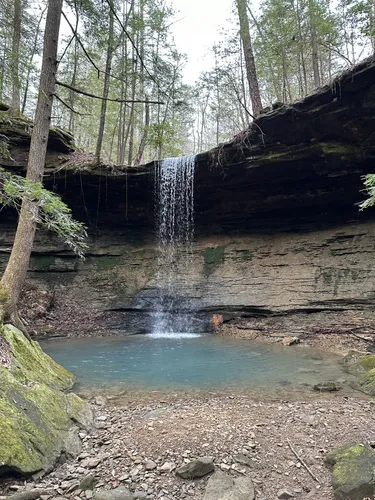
(278, 232)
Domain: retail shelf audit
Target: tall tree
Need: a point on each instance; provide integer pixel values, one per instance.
(15, 58)
(249, 56)
(107, 76)
(14, 276)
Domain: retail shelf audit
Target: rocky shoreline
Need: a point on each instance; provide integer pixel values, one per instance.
(139, 446)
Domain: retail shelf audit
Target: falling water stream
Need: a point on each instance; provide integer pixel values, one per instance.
(174, 194)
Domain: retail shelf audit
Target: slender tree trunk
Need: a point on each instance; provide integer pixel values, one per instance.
(300, 48)
(314, 45)
(131, 126)
(16, 103)
(249, 57)
(15, 273)
(33, 52)
(108, 67)
(143, 142)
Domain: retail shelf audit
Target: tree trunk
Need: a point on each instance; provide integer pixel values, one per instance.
(143, 142)
(15, 273)
(16, 104)
(33, 52)
(314, 46)
(108, 67)
(249, 57)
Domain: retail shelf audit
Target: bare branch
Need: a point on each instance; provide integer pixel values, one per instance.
(93, 96)
(70, 107)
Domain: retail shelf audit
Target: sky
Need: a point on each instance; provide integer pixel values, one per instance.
(197, 30)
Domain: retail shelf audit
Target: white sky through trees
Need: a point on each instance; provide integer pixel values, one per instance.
(197, 30)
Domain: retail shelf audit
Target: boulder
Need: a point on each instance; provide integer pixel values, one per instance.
(38, 421)
(196, 468)
(353, 471)
(221, 486)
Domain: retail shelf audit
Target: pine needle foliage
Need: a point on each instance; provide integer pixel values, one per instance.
(53, 213)
(369, 182)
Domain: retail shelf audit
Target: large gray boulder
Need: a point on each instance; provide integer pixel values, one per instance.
(353, 475)
(221, 486)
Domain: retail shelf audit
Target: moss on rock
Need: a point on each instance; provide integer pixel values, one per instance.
(31, 364)
(36, 417)
(353, 471)
(213, 257)
(357, 363)
(366, 383)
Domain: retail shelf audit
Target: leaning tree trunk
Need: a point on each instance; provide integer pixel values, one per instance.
(249, 57)
(15, 273)
(15, 105)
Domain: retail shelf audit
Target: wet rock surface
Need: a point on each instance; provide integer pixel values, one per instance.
(247, 439)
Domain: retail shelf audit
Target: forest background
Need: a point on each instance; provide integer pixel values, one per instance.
(124, 50)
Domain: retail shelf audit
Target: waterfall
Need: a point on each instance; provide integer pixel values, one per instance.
(174, 197)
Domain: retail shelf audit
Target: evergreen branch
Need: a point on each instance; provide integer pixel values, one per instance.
(53, 214)
(93, 96)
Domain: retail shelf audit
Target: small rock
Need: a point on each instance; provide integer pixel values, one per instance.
(93, 463)
(287, 341)
(102, 418)
(100, 401)
(87, 483)
(168, 467)
(223, 486)
(242, 459)
(326, 387)
(284, 495)
(150, 465)
(119, 493)
(196, 468)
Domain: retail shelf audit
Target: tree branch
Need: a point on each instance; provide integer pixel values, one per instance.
(70, 107)
(93, 96)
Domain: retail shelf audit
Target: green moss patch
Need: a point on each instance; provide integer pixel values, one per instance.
(246, 255)
(213, 257)
(353, 471)
(366, 384)
(36, 416)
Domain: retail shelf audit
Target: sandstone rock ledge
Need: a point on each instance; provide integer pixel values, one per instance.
(38, 421)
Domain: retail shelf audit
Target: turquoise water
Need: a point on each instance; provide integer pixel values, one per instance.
(201, 362)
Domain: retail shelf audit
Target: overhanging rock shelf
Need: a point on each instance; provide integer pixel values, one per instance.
(277, 226)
